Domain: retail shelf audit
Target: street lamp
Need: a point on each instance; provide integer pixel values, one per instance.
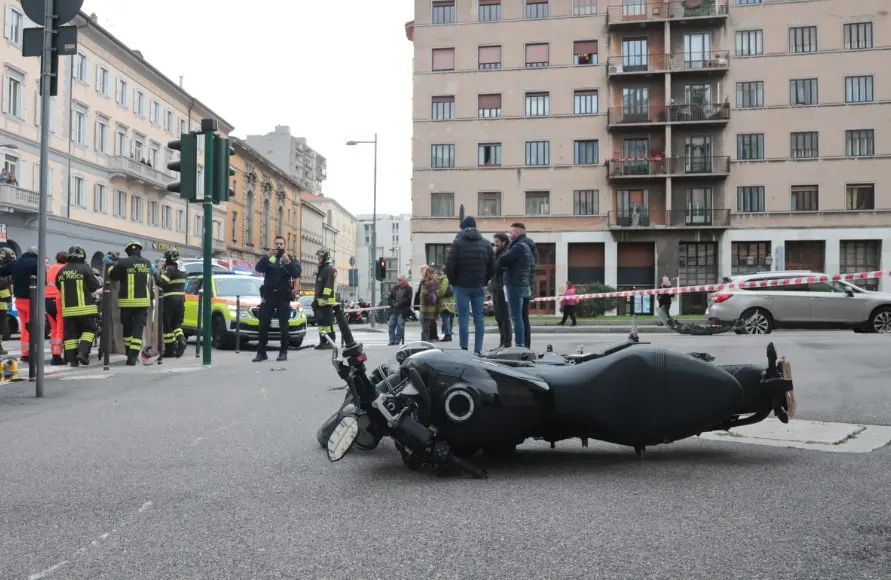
(373, 222)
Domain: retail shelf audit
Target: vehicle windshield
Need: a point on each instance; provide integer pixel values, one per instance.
(238, 286)
(193, 268)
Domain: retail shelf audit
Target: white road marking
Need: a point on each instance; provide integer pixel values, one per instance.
(84, 377)
(145, 506)
(811, 435)
(47, 572)
(182, 370)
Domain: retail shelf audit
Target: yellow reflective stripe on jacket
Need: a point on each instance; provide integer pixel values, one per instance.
(5, 293)
(327, 292)
(131, 290)
(80, 310)
(134, 302)
(165, 278)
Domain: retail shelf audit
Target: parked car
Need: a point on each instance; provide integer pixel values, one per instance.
(306, 303)
(195, 267)
(816, 305)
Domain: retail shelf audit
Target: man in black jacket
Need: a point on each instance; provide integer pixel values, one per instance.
(400, 307)
(502, 314)
(134, 297)
(470, 265)
(21, 270)
(278, 268)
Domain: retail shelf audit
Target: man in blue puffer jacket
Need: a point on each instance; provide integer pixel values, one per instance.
(21, 271)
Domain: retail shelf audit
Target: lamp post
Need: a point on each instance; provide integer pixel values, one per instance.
(373, 225)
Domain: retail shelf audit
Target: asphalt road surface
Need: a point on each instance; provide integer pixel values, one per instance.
(183, 472)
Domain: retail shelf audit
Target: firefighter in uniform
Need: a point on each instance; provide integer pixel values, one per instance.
(76, 283)
(172, 282)
(134, 298)
(323, 305)
(6, 256)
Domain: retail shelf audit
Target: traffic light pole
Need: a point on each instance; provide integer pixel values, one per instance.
(208, 128)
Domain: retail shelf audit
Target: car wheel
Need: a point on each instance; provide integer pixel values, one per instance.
(880, 321)
(219, 335)
(296, 343)
(757, 321)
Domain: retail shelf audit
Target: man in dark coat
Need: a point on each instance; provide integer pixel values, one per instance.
(21, 270)
(470, 265)
(400, 307)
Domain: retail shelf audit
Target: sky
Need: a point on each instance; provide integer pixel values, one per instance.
(333, 71)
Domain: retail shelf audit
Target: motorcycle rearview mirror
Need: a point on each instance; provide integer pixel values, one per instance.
(342, 438)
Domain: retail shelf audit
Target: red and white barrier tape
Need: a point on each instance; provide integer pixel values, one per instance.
(674, 290)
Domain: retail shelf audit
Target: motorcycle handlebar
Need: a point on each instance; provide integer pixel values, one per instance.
(344, 327)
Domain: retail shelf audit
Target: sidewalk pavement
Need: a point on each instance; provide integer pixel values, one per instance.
(647, 327)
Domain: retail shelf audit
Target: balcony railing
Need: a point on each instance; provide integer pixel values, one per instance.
(679, 10)
(120, 165)
(635, 64)
(635, 13)
(699, 113)
(21, 199)
(699, 218)
(719, 165)
(700, 60)
(636, 115)
(636, 168)
(637, 215)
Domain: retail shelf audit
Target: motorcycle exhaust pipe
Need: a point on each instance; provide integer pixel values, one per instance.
(459, 405)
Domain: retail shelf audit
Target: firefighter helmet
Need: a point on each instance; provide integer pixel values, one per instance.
(77, 254)
(323, 255)
(133, 248)
(171, 256)
(6, 255)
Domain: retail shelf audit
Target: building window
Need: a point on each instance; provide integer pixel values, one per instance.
(183, 127)
(804, 145)
(802, 39)
(585, 202)
(536, 9)
(750, 199)
(102, 81)
(489, 57)
(861, 256)
(538, 55)
(443, 59)
(538, 104)
(100, 198)
(442, 156)
(859, 89)
(155, 117)
(489, 203)
(635, 54)
(860, 143)
(79, 126)
(139, 104)
(587, 152)
(13, 94)
(120, 95)
(860, 197)
(436, 254)
(858, 35)
(749, 42)
(153, 216)
(101, 136)
(698, 263)
(120, 142)
(167, 217)
(584, 7)
(489, 154)
(748, 257)
(443, 11)
(490, 11)
(199, 226)
(120, 203)
(15, 24)
(489, 106)
(78, 192)
(538, 203)
(584, 52)
(80, 67)
(443, 108)
(586, 103)
(538, 153)
(442, 205)
(750, 95)
(803, 92)
(168, 121)
(750, 146)
(805, 198)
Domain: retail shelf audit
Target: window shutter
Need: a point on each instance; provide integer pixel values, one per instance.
(6, 95)
(24, 176)
(97, 78)
(7, 30)
(96, 136)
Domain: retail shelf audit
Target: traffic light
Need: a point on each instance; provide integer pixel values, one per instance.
(222, 150)
(381, 273)
(186, 165)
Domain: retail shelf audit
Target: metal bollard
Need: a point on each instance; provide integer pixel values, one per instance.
(160, 328)
(198, 334)
(32, 329)
(237, 324)
(107, 322)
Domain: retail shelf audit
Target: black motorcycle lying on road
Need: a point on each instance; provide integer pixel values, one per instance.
(442, 406)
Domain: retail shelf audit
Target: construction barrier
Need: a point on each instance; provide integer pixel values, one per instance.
(675, 290)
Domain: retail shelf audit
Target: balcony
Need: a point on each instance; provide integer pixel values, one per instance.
(636, 116)
(700, 166)
(628, 169)
(641, 64)
(715, 61)
(641, 216)
(632, 14)
(15, 198)
(701, 13)
(698, 218)
(134, 171)
(699, 114)
(634, 216)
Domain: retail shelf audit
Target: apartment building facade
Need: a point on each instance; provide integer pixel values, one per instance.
(109, 126)
(691, 139)
(305, 165)
(266, 204)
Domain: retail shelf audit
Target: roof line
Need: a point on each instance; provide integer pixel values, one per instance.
(238, 142)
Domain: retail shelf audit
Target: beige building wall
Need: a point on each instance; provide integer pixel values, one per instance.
(673, 125)
(312, 235)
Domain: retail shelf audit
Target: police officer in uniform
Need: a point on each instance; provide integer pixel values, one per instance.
(322, 306)
(134, 298)
(172, 282)
(76, 283)
(6, 256)
(278, 268)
